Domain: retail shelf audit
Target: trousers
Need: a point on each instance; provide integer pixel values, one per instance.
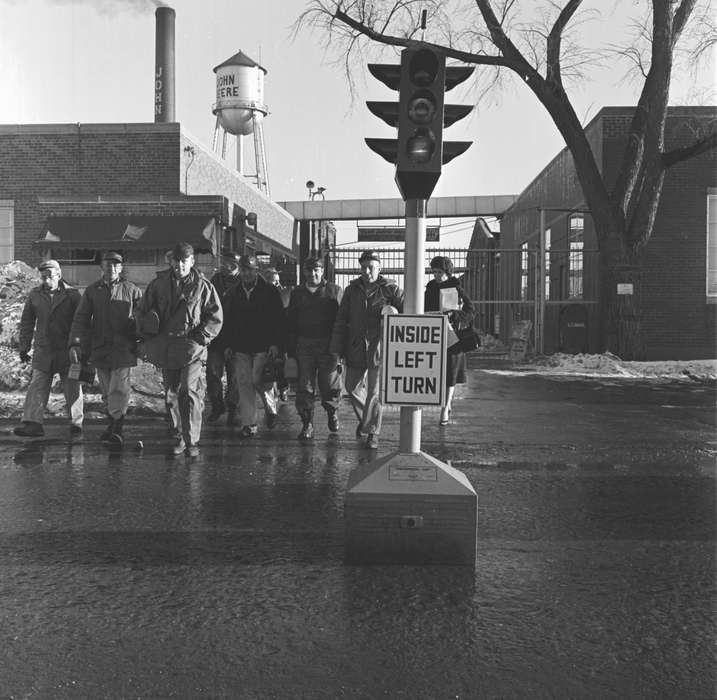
(38, 394)
(115, 389)
(317, 368)
(248, 368)
(184, 398)
(367, 407)
(217, 365)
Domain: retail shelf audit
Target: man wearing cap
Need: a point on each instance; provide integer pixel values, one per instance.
(219, 354)
(256, 337)
(179, 315)
(47, 319)
(357, 338)
(310, 320)
(104, 332)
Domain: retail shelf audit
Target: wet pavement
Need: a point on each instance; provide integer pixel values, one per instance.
(139, 575)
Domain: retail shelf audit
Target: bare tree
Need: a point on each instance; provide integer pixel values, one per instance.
(542, 50)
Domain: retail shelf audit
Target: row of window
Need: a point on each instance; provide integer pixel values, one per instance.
(576, 246)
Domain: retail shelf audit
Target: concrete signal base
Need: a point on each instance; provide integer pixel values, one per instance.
(410, 509)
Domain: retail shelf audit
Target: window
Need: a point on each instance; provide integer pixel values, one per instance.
(524, 272)
(7, 231)
(75, 256)
(575, 256)
(547, 264)
(712, 245)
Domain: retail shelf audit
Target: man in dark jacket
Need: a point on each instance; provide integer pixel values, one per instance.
(310, 320)
(179, 315)
(47, 318)
(256, 338)
(219, 353)
(104, 331)
(357, 338)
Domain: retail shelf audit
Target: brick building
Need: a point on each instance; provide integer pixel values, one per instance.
(69, 191)
(679, 272)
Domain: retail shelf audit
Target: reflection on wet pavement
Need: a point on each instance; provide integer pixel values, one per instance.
(133, 574)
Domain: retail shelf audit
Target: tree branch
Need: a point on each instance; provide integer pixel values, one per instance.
(682, 14)
(466, 57)
(552, 72)
(678, 155)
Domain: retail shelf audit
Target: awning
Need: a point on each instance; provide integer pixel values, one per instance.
(133, 232)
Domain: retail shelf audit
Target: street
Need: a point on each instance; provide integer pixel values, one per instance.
(139, 575)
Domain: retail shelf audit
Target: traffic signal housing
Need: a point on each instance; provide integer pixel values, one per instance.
(419, 152)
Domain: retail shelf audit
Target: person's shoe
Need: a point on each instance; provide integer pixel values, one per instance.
(215, 415)
(231, 417)
(178, 447)
(307, 432)
(108, 431)
(248, 431)
(29, 429)
(445, 415)
(270, 419)
(333, 420)
(193, 450)
(75, 430)
(372, 441)
(359, 431)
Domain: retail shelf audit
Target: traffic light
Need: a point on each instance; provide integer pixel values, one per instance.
(420, 115)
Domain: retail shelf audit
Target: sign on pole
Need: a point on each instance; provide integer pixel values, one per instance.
(414, 365)
(379, 234)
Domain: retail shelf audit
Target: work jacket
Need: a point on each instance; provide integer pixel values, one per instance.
(311, 314)
(357, 329)
(224, 284)
(177, 320)
(48, 318)
(104, 326)
(257, 320)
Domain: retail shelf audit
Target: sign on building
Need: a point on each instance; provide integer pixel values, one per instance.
(379, 234)
(414, 360)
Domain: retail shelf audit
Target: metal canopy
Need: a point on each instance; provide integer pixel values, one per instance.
(130, 232)
(372, 209)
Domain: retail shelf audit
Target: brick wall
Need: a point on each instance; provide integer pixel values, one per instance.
(78, 169)
(678, 322)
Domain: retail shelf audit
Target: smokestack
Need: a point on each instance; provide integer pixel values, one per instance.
(164, 65)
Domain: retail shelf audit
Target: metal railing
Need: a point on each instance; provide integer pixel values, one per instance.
(506, 285)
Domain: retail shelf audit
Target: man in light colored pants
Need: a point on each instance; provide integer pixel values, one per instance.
(248, 369)
(44, 327)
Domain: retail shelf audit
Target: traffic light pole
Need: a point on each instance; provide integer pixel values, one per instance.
(410, 434)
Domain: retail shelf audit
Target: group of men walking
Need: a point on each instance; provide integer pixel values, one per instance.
(237, 324)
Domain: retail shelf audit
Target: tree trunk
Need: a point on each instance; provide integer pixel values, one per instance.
(621, 299)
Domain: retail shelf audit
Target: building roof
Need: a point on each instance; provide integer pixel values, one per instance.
(239, 59)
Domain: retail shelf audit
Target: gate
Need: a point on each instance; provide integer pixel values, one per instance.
(518, 294)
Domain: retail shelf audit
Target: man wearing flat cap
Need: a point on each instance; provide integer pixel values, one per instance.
(219, 354)
(310, 320)
(45, 325)
(179, 315)
(256, 338)
(357, 338)
(104, 333)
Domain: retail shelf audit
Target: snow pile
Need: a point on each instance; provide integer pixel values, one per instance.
(609, 365)
(16, 281)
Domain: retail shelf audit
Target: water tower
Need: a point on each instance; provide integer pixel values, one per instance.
(240, 110)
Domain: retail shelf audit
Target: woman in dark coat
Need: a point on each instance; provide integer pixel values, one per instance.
(459, 318)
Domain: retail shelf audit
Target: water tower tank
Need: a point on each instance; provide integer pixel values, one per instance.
(240, 94)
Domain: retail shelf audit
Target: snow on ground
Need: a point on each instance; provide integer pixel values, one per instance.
(609, 365)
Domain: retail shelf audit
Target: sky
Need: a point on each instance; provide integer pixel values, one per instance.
(68, 61)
